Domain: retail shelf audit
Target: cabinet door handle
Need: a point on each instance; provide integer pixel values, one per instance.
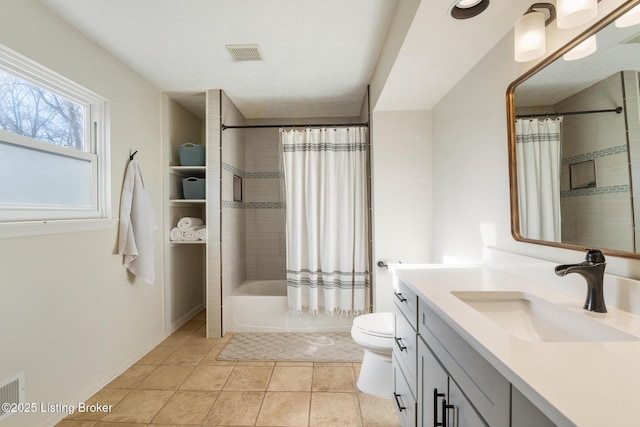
(400, 407)
(400, 346)
(400, 297)
(436, 395)
(445, 408)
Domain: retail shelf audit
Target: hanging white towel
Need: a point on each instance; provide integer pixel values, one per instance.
(135, 238)
(188, 222)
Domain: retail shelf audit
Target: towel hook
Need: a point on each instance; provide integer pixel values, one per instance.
(132, 155)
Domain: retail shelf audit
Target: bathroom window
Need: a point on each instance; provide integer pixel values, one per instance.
(53, 145)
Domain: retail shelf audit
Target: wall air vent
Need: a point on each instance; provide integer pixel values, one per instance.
(245, 52)
(11, 392)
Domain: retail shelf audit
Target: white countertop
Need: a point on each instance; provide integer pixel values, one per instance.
(584, 383)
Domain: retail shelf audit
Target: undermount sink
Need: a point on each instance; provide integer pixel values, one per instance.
(532, 318)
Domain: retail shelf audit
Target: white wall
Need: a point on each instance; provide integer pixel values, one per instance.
(470, 173)
(72, 318)
(401, 194)
(403, 17)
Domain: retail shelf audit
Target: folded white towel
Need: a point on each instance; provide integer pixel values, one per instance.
(189, 222)
(202, 233)
(190, 235)
(137, 221)
(176, 234)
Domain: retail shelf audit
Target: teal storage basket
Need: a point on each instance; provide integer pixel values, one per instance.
(191, 154)
(193, 188)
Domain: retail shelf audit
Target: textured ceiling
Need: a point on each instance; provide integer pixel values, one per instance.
(319, 55)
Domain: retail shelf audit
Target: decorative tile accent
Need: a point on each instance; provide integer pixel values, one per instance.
(264, 205)
(595, 191)
(232, 204)
(251, 175)
(234, 170)
(275, 175)
(252, 205)
(299, 346)
(595, 154)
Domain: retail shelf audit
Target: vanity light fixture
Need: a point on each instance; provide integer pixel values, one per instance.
(465, 9)
(573, 13)
(582, 50)
(529, 32)
(630, 18)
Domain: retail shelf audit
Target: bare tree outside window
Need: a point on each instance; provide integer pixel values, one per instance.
(34, 112)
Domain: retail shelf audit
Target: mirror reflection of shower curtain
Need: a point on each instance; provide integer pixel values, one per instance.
(325, 180)
(538, 159)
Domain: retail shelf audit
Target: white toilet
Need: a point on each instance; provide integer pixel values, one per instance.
(374, 332)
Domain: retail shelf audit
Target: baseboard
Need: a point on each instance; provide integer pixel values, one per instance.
(185, 318)
(106, 379)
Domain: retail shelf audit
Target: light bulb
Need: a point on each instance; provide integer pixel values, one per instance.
(581, 50)
(573, 13)
(632, 17)
(465, 4)
(529, 34)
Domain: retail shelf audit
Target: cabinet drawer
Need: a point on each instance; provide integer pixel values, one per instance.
(405, 349)
(407, 302)
(403, 399)
(484, 386)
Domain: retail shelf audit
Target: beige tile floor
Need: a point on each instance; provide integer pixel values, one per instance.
(180, 382)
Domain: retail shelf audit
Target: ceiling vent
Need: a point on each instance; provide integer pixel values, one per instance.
(245, 52)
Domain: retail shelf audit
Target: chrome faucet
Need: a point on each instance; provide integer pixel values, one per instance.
(592, 269)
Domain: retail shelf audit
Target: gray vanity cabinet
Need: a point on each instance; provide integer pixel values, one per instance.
(486, 397)
(433, 387)
(405, 354)
(440, 400)
(461, 409)
(438, 374)
(525, 414)
(405, 402)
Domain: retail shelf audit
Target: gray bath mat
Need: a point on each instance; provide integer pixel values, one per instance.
(293, 346)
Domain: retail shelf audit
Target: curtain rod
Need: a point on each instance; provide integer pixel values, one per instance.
(617, 110)
(332, 125)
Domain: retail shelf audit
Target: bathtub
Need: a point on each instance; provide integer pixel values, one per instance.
(261, 306)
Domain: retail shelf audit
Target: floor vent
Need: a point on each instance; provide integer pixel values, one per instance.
(11, 391)
(245, 52)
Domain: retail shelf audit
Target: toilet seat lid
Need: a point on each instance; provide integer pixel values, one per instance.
(379, 324)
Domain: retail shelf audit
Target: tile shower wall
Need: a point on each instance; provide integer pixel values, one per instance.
(601, 138)
(233, 214)
(263, 206)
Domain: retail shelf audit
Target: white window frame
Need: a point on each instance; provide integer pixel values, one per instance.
(28, 220)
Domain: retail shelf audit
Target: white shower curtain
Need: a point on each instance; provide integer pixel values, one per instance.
(538, 160)
(325, 179)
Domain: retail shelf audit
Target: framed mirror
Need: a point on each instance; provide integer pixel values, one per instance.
(574, 144)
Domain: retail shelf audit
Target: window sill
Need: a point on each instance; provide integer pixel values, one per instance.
(35, 228)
